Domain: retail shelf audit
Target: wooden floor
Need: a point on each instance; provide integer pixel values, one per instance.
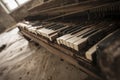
(20, 60)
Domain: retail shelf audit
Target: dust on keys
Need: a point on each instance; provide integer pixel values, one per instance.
(48, 30)
(86, 36)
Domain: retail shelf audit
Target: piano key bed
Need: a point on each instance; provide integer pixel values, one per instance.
(76, 43)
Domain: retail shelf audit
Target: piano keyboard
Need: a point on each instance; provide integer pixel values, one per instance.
(77, 37)
(86, 36)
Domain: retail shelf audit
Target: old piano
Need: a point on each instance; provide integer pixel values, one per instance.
(86, 33)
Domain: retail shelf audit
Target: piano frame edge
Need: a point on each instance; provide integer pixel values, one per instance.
(92, 71)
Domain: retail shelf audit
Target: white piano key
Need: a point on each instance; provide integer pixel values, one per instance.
(90, 52)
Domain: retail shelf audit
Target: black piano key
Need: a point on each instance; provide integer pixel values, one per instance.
(74, 29)
(51, 25)
(88, 33)
(55, 27)
(63, 32)
(58, 27)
